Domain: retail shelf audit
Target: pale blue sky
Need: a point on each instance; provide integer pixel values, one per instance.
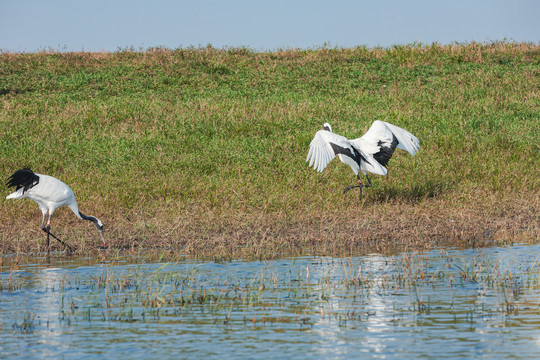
(95, 25)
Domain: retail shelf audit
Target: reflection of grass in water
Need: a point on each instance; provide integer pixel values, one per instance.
(27, 324)
(398, 289)
(264, 297)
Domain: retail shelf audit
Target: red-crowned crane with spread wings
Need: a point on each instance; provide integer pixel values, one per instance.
(369, 153)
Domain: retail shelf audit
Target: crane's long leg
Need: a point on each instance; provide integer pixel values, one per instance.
(49, 233)
(46, 230)
(369, 182)
(359, 185)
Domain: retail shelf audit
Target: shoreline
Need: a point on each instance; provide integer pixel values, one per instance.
(412, 227)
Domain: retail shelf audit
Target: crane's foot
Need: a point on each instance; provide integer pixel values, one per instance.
(360, 186)
(352, 187)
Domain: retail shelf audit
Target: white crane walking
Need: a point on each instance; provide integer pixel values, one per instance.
(49, 193)
(369, 153)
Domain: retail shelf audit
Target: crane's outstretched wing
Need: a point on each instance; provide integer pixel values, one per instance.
(406, 140)
(383, 138)
(325, 146)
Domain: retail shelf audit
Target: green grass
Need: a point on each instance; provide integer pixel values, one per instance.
(179, 147)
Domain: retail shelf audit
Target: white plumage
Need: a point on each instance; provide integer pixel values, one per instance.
(49, 193)
(369, 153)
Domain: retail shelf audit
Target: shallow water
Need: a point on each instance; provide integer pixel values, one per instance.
(439, 304)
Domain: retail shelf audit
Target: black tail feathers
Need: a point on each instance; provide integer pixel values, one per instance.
(24, 178)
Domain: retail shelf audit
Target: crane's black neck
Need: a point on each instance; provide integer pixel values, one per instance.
(95, 220)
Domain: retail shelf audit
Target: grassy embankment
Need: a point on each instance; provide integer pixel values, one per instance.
(202, 151)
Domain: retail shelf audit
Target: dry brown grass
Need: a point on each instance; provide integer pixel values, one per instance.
(382, 227)
(200, 152)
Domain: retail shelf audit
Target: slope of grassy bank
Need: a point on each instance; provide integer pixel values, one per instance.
(203, 150)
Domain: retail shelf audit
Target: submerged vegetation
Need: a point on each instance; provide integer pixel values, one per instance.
(484, 289)
(201, 151)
